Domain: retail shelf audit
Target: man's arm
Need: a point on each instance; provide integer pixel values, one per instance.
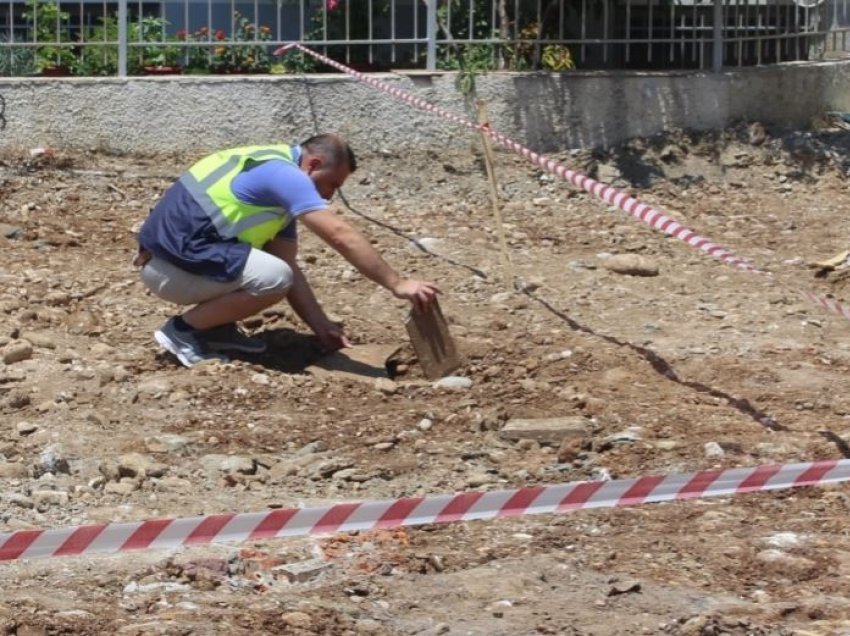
(302, 299)
(354, 247)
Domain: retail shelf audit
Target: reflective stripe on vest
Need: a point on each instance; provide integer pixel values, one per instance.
(248, 217)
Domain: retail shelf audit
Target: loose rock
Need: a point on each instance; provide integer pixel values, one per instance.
(553, 430)
(631, 265)
(17, 352)
(455, 382)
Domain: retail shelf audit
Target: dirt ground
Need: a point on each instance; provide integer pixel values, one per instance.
(700, 366)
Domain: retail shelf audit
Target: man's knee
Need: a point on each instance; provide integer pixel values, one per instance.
(275, 280)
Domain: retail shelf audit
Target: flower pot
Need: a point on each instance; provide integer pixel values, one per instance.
(56, 71)
(243, 71)
(162, 70)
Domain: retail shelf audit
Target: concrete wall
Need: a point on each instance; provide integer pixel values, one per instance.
(546, 111)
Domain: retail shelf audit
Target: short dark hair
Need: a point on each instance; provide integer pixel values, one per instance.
(331, 148)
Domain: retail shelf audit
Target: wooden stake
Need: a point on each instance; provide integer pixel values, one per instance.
(507, 266)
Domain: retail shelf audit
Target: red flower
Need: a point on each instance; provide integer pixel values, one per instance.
(181, 34)
(219, 35)
(332, 5)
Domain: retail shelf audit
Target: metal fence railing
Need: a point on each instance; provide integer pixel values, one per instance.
(97, 37)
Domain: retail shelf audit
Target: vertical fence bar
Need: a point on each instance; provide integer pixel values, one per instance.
(694, 41)
(583, 30)
(650, 25)
(431, 58)
(122, 38)
(371, 9)
(672, 31)
(605, 30)
(717, 37)
(184, 52)
(392, 30)
(347, 30)
(628, 30)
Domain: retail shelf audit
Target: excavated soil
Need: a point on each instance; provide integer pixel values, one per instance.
(700, 366)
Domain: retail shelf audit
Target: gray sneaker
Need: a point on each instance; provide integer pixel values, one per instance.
(189, 346)
(229, 338)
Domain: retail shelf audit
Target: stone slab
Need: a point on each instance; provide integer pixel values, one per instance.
(434, 346)
(552, 430)
(363, 362)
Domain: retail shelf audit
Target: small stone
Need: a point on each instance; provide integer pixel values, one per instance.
(101, 350)
(154, 386)
(15, 400)
(167, 443)
(760, 596)
(384, 446)
(631, 265)
(425, 424)
(454, 382)
(302, 571)
(26, 428)
(123, 487)
(17, 352)
(713, 450)
(784, 540)
(480, 479)
(138, 466)
(53, 461)
(41, 340)
(624, 587)
(629, 436)
(299, 620)
(45, 498)
(238, 464)
(11, 231)
(21, 501)
(13, 470)
(261, 379)
(386, 386)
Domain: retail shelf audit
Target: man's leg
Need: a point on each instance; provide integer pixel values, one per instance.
(265, 280)
(211, 323)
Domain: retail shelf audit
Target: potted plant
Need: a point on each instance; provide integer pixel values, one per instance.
(151, 52)
(159, 55)
(49, 27)
(242, 53)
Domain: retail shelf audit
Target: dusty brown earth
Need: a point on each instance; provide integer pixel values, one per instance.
(700, 366)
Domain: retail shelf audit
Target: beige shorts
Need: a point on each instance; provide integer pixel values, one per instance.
(264, 274)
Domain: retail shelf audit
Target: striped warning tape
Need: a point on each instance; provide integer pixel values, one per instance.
(642, 211)
(392, 513)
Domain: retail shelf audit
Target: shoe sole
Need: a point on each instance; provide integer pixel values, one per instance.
(228, 346)
(168, 344)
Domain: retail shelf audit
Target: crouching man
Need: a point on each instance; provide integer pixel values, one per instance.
(223, 239)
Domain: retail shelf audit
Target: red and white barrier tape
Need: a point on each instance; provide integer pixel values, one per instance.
(392, 513)
(646, 213)
(612, 196)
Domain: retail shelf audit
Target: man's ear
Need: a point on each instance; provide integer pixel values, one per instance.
(312, 164)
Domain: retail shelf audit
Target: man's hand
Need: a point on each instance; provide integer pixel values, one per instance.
(332, 336)
(419, 292)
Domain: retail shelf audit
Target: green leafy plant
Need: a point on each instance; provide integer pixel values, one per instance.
(196, 54)
(50, 25)
(528, 52)
(15, 61)
(232, 56)
(99, 49)
(154, 48)
(148, 47)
